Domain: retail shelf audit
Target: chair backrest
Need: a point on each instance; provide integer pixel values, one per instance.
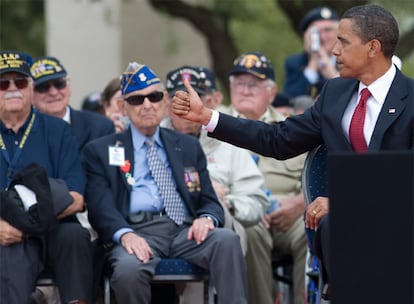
(314, 176)
(314, 180)
(314, 184)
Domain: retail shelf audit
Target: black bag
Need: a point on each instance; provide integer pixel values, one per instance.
(40, 217)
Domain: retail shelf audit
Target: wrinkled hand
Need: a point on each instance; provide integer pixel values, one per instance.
(190, 106)
(315, 211)
(199, 229)
(286, 215)
(136, 245)
(9, 234)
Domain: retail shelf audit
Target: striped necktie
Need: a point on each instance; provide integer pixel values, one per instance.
(173, 204)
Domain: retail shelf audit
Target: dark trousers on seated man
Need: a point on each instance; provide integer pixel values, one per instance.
(169, 240)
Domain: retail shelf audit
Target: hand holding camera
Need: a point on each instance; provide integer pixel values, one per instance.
(315, 39)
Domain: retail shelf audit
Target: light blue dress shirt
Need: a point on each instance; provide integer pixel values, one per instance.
(145, 195)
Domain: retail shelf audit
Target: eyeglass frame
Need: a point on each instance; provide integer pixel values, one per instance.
(252, 87)
(16, 80)
(58, 83)
(153, 97)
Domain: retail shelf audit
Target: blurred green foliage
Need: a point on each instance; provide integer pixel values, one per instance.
(22, 26)
(267, 30)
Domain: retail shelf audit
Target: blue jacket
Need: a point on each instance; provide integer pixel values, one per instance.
(52, 145)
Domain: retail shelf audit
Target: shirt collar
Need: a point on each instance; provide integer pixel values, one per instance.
(66, 117)
(138, 139)
(380, 87)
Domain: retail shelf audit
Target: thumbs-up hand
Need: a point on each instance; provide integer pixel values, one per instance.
(189, 105)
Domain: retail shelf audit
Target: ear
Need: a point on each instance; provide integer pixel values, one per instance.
(121, 106)
(273, 92)
(375, 48)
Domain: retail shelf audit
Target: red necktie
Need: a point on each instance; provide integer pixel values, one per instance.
(356, 128)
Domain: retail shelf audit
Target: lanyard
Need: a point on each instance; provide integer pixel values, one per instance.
(16, 155)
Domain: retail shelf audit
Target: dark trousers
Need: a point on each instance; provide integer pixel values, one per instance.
(321, 248)
(220, 253)
(70, 259)
(20, 265)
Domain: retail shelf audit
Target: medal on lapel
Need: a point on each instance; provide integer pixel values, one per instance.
(192, 179)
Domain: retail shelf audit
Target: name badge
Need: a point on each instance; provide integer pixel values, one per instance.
(116, 156)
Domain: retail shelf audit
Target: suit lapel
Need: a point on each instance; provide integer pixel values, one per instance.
(79, 127)
(124, 139)
(342, 100)
(392, 108)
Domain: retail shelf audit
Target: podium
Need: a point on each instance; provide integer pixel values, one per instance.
(371, 227)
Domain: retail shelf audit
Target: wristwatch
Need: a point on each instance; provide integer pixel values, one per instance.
(210, 219)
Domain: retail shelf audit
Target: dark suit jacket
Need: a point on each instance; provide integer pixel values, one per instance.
(321, 124)
(87, 125)
(108, 193)
(296, 83)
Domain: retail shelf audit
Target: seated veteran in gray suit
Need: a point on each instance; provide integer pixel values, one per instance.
(150, 196)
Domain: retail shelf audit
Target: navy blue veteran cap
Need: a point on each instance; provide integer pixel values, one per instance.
(201, 79)
(13, 61)
(137, 77)
(318, 13)
(253, 63)
(47, 68)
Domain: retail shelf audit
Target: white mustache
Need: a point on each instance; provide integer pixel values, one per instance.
(14, 94)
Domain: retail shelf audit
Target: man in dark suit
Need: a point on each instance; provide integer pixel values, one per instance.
(364, 51)
(26, 137)
(135, 216)
(307, 71)
(51, 96)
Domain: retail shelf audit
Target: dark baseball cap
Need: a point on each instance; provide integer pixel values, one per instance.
(318, 13)
(253, 63)
(15, 61)
(201, 79)
(47, 68)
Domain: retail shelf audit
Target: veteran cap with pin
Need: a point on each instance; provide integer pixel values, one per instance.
(137, 77)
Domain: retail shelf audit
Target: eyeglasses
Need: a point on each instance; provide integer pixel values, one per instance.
(20, 83)
(136, 100)
(59, 84)
(253, 87)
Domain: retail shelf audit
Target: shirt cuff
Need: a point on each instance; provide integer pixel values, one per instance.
(119, 233)
(212, 124)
